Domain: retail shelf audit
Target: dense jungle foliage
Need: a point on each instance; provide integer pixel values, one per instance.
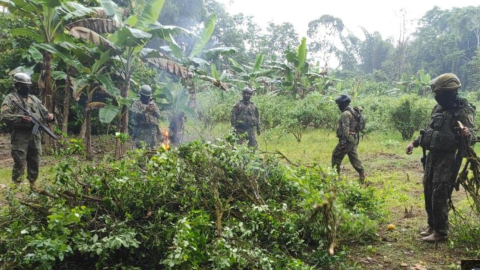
(209, 204)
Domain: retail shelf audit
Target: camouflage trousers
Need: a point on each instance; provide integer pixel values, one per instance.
(146, 137)
(350, 149)
(25, 148)
(247, 133)
(438, 188)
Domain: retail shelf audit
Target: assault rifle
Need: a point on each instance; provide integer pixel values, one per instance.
(37, 123)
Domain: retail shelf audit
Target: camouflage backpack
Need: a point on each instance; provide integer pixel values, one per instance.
(358, 114)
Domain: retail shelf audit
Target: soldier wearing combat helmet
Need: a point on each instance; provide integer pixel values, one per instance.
(441, 138)
(245, 118)
(145, 115)
(348, 136)
(26, 146)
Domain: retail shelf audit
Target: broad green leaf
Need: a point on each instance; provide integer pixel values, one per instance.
(258, 63)
(75, 10)
(59, 75)
(302, 53)
(151, 12)
(107, 82)
(110, 7)
(132, 20)
(176, 50)
(36, 54)
(151, 53)
(199, 62)
(50, 3)
(215, 52)
(167, 31)
(66, 57)
(204, 36)
(131, 37)
(104, 57)
(215, 72)
(237, 65)
(27, 32)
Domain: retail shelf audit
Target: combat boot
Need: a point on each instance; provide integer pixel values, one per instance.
(361, 177)
(428, 231)
(33, 185)
(434, 237)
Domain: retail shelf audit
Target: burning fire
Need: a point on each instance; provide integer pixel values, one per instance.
(166, 141)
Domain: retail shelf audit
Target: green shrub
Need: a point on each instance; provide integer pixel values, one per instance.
(410, 114)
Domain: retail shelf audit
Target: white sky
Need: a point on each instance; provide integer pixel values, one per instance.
(382, 15)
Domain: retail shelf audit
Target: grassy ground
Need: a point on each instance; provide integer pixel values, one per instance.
(397, 179)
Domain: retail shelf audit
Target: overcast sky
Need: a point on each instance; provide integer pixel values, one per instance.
(382, 16)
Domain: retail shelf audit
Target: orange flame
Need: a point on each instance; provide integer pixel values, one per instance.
(166, 141)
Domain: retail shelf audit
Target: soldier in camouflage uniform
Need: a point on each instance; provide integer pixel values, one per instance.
(145, 115)
(245, 117)
(348, 138)
(442, 139)
(26, 147)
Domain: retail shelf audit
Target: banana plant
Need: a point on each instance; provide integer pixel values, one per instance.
(185, 67)
(127, 41)
(50, 18)
(93, 80)
(297, 69)
(249, 74)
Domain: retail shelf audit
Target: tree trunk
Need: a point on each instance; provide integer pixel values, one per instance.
(83, 129)
(192, 99)
(89, 135)
(120, 146)
(66, 103)
(47, 92)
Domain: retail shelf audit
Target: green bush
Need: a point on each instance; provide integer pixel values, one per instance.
(202, 206)
(410, 114)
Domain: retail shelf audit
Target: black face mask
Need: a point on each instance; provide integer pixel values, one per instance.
(246, 97)
(144, 99)
(446, 99)
(343, 105)
(23, 90)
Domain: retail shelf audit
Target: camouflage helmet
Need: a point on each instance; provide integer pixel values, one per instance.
(22, 78)
(248, 90)
(343, 98)
(146, 90)
(445, 82)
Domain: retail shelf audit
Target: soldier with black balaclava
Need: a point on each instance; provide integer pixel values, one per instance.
(145, 115)
(245, 118)
(26, 145)
(348, 135)
(441, 138)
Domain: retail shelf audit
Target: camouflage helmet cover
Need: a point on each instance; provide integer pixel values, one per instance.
(445, 82)
(343, 98)
(247, 90)
(22, 78)
(146, 90)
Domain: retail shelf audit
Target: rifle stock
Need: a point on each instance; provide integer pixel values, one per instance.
(38, 125)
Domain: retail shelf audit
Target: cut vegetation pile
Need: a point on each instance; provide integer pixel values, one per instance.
(201, 206)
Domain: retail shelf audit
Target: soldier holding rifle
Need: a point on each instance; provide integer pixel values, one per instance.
(145, 115)
(24, 114)
(442, 138)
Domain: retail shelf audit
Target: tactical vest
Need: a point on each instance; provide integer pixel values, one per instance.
(247, 115)
(440, 135)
